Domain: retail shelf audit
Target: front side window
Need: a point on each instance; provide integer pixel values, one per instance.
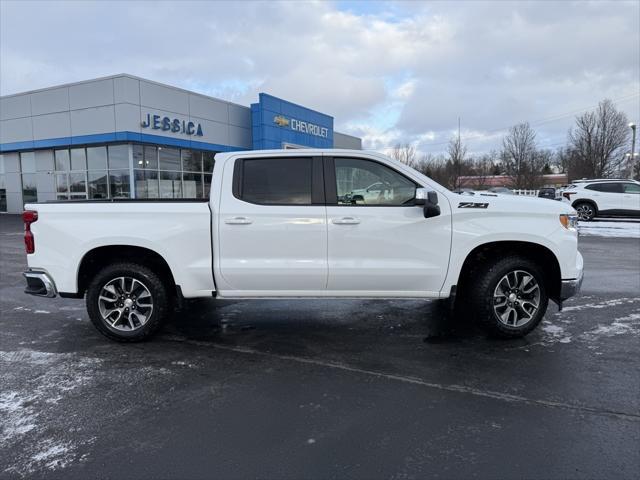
(277, 181)
(364, 182)
(631, 188)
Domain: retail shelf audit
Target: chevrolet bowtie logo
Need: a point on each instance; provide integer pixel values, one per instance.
(281, 121)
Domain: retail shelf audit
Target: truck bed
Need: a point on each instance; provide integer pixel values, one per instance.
(178, 230)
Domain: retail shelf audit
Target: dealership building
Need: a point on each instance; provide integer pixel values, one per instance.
(127, 137)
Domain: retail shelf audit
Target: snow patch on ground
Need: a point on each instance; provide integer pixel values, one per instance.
(24, 406)
(554, 333)
(598, 305)
(627, 325)
(609, 229)
(38, 433)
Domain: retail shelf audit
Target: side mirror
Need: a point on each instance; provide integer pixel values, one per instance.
(430, 202)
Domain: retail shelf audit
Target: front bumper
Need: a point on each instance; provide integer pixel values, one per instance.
(40, 284)
(569, 288)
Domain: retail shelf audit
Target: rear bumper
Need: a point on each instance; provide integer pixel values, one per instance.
(39, 284)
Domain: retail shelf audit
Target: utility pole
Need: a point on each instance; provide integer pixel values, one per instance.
(633, 150)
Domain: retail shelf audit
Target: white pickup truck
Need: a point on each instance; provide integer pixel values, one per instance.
(295, 224)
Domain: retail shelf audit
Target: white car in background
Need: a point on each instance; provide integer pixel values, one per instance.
(604, 198)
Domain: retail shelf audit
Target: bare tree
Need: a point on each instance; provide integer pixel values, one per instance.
(435, 167)
(521, 158)
(457, 163)
(483, 168)
(405, 153)
(598, 140)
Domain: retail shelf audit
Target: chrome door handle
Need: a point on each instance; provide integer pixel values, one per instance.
(346, 221)
(237, 221)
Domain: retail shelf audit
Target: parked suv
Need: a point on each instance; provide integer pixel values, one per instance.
(603, 198)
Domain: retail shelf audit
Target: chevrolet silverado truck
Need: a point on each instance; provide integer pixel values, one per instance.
(295, 224)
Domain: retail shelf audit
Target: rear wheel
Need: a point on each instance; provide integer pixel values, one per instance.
(586, 211)
(509, 296)
(127, 302)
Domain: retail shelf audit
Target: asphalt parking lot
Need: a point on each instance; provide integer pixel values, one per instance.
(324, 389)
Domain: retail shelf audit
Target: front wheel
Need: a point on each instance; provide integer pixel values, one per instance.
(509, 297)
(585, 211)
(127, 302)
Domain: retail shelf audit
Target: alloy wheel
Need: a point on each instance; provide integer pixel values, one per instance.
(125, 304)
(516, 298)
(585, 212)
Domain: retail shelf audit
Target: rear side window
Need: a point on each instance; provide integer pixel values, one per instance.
(631, 188)
(276, 181)
(605, 187)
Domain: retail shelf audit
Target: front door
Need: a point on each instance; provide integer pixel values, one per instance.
(272, 225)
(379, 241)
(608, 196)
(631, 198)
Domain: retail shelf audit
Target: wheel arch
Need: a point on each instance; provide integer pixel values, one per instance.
(539, 254)
(585, 200)
(97, 258)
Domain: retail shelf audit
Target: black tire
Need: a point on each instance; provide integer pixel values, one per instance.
(483, 287)
(160, 301)
(586, 211)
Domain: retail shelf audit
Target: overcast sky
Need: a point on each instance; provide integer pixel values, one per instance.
(387, 71)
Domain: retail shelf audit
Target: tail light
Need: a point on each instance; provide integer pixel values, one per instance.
(28, 217)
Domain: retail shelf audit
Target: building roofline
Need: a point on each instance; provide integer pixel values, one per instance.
(120, 75)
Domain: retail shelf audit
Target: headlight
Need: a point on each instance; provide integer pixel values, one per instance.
(570, 222)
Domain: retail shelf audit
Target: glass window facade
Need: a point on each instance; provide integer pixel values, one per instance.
(113, 171)
(163, 172)
(29, 180)
(3, 186)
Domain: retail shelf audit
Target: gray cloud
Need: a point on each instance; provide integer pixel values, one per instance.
(396, 72)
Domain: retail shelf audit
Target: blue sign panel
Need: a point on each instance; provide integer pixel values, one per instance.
(276, 123)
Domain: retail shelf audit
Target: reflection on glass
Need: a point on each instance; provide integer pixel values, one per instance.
(78, 183)
(146, 184)
(62, 160)
(207, 185)
(98, 185)
(97, 158)
(150, 157)
(29, 189)
(119, 183)
(3, 189)
(170, 185)
(78, 159)
(192, 185)
(118, 156)
(191, 161)
(169, 158)
(62, 184)
(28, 162)
(207, 161)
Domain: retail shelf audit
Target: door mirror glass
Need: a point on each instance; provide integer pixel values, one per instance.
(421, 196)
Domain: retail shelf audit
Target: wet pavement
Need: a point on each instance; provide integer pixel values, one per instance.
(323, 388)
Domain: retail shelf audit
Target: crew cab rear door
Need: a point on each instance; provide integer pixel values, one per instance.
(272, 227)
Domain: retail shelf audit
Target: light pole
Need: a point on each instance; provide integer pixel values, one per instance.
(633, 148)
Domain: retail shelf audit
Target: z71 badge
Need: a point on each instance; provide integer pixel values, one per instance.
(472, 205)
